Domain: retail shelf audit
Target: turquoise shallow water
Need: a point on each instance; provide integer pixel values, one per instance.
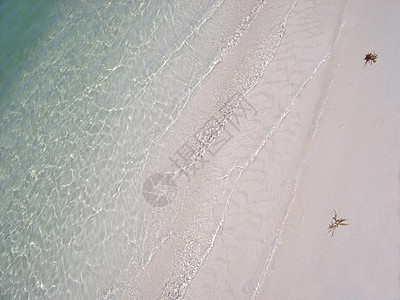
(87, 88)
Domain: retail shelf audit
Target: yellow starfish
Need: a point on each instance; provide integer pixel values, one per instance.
(336, 223)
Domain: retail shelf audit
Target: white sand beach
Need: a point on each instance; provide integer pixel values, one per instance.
(330, 141)
(348, 161)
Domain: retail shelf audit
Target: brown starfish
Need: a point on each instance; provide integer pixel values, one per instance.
(370, 57)
(336, 223)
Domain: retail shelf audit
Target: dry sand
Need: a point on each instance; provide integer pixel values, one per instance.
(351, 165)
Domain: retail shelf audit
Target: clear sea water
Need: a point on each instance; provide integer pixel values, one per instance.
(87, 88)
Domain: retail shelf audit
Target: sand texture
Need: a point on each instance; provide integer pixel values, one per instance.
(338, 148)
(317, 132)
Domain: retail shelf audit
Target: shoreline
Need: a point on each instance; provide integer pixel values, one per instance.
(192, 219)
